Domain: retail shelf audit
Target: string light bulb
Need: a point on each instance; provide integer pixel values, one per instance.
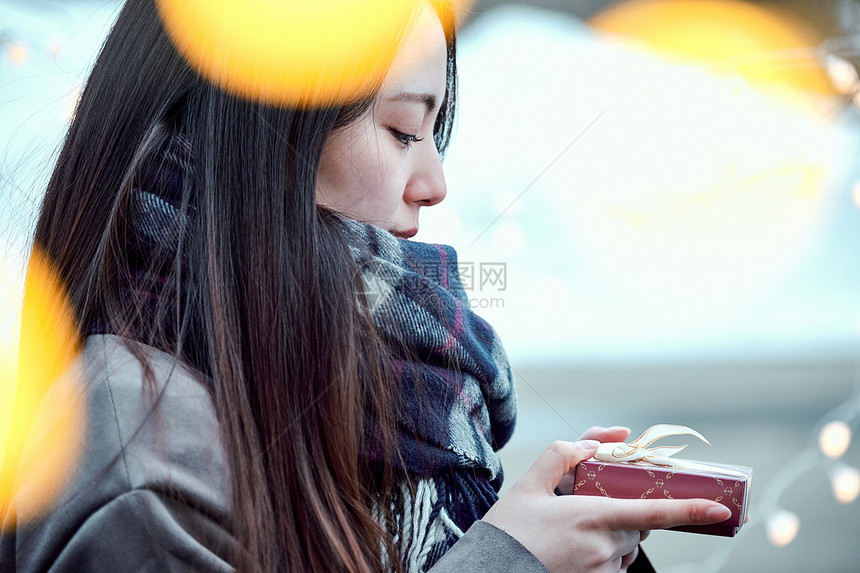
(782, 527)
(845, 483)
(842, 74)
(18, 54)
(834, 439)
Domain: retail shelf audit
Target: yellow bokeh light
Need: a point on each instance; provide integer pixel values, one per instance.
(856, 194)
(782, 527)
(729, 36)
(291, 52)
(41, 430)
(845, 482)
(834, 438)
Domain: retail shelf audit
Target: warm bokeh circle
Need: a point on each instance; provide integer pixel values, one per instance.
(42, 411)
(291, 52)
(728, 36)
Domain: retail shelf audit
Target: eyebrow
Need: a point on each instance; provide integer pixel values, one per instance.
(429, 100)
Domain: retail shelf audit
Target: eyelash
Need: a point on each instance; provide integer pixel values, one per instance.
(405, 139)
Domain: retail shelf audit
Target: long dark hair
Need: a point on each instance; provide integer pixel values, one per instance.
(256, 288)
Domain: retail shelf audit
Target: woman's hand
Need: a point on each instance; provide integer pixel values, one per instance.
(586, 533)
(601, 434)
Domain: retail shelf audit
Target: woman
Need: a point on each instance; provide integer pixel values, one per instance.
(278, 379)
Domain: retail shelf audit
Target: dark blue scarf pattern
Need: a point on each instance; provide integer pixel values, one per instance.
(460, 404)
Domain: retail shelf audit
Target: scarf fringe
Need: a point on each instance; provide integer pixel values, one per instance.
(424, 530)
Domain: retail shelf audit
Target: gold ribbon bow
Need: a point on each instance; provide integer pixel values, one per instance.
(638, 450)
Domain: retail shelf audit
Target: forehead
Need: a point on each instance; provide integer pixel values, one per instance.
(421, 62)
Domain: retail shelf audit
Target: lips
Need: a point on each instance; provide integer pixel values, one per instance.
(408, 234)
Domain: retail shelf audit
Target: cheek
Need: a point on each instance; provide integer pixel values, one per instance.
(380, 191)
(349, 166)
(376, 173)
(363, 175)
(370, 168)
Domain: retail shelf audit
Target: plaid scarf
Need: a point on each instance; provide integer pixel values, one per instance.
(451, 369)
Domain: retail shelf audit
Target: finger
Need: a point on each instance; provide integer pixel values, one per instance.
(565, 486)
(630, 541)
(663, 513)
(555, 461)
(628, 559)
(601, 434)
(625, 542)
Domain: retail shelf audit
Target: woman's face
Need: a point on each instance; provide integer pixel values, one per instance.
(384, 167)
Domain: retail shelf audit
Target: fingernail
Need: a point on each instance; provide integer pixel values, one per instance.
(720, 513)
(620, 428)
(590, 444)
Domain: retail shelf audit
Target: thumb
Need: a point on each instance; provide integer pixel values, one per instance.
(555, 461)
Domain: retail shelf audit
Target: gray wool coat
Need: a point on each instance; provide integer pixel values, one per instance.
(150, 490)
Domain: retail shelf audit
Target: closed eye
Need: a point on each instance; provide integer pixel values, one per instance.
(405, 139)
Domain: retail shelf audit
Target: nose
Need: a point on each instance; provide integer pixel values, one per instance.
(426, 187)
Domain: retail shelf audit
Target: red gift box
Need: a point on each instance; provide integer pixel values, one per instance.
(625, 480)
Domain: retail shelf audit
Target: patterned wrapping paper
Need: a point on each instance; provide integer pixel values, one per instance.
(625, 480)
